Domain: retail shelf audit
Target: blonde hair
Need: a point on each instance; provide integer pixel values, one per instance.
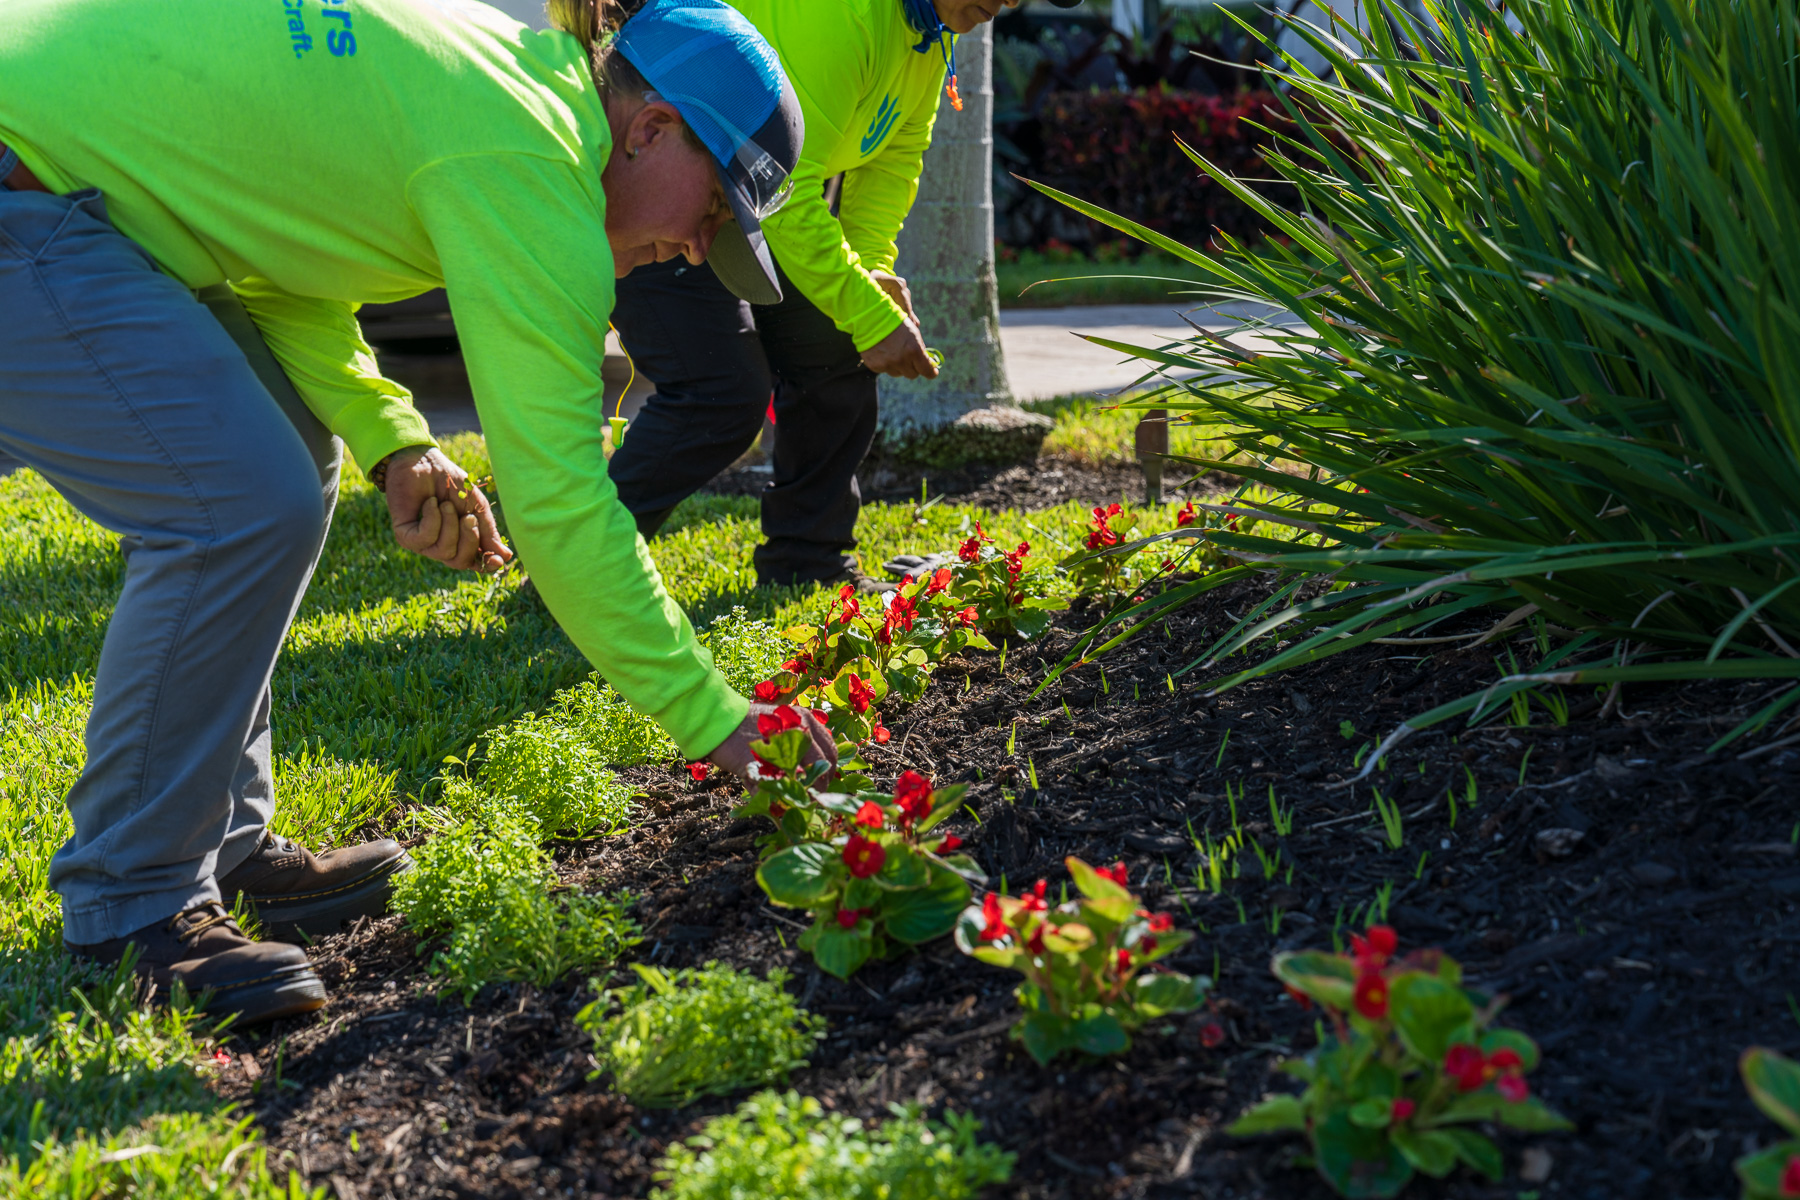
(592, 23)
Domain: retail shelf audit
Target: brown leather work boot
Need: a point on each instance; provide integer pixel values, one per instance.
(204, 949)
(298, 894)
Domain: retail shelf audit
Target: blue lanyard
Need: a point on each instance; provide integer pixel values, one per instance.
(922, 16)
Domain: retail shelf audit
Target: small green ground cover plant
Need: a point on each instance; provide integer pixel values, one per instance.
(1411, 1060)
(1773, 1081)
(675, 1036)
(481, 893)
(784, 1145)
(864, 863)
(1089, 964)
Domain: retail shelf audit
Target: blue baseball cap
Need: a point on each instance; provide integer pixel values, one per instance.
(703, 57)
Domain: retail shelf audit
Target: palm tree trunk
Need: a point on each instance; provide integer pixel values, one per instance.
(947, 256)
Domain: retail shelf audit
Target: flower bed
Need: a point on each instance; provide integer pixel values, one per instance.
(1630, 978)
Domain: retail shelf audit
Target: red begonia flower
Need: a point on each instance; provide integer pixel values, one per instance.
(870, 816)
(940, 581)
(820, 715)
(861, 694)
(950, 842)
(1404, 1108)
(1372, 995)
(1168, 564)
(1463, 1063)
(969, 616)
(1123, 962)
(1036, 944)
(1034, 899)
(848, 917)
(698, 770)
(1113, 509)
(852, 608)
(880, 734)
(1505, 1059)
(847, 591)
(912, 792)
(1383, 940)
(222, 1057)
(1161, 922)
(1117, 873)
(1512, 1088)
(796, 666)
(863, 857)
(1187, 515)
(970, 551)
(1790, 1177)
(994, 923)
(1212, 1035)
(779, 721)
(777, 810)
(766, 691)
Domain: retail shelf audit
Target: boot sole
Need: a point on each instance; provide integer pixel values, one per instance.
(289, 992)
(303, 918)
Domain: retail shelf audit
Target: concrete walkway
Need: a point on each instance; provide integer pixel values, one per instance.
(1045, 358)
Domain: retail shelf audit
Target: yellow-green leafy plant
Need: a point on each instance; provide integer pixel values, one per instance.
(482, 894)
(784, 1145)
(675, 1036)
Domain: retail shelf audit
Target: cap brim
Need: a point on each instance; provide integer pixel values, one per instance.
(740, 257)
(1065, 3)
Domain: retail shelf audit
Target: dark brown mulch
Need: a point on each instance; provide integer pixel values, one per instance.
(1644, 954)
(1051, 480)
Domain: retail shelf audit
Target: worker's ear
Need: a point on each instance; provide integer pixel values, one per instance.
(656, 125)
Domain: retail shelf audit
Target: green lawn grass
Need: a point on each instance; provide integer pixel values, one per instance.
(393, 664)
(1037, 280)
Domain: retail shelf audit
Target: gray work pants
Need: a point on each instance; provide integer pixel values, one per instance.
(164, 419)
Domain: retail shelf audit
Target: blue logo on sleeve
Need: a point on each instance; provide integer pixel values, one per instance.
(885, 116)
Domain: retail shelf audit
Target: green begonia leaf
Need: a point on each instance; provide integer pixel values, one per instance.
(924, 913)
(1477, 1152)
(1431, 1151)
(1275, 1114)
(840, 951)
(1774, 1085)
(1360, 1163)
(1429, 1014)
(803, 876)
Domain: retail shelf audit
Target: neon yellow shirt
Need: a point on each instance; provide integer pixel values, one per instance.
(869, 102)
(322, 155)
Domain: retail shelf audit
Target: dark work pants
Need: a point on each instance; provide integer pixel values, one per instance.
(714, 360)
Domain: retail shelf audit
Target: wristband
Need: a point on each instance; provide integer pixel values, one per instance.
(378, 474)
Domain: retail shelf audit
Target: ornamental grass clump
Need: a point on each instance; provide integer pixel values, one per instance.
(1411, 1059)
(673, 1037)
(1088, 986)
(789, 1146)
(1774, 1085)
(481, 893)
(865, 863)
(1548, 350)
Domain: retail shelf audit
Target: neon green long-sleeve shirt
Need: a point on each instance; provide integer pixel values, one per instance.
(322, 155)
(869, 101)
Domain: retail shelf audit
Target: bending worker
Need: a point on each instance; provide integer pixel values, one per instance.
(314, 157)
(867, 73)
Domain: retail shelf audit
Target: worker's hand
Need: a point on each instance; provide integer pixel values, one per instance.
(897, 291)
(734, 754)
(438, 512)
(901, 354)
